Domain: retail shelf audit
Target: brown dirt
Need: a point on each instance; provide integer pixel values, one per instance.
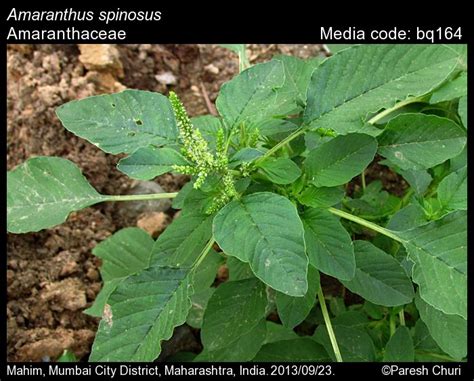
(52, 275)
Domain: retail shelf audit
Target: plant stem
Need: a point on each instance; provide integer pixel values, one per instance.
(392, 324)
(362, 177)
(203, 254)
(280, 144)
(365, 223)
(401, 315)
(327, 321)
(138, 197)
(397, 106)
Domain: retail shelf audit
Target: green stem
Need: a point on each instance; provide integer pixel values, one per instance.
(363, 180)
(203, 254)
(393, 325)
(138, 197)
(327, 321)
(397, 106)
(365, 223)
(281, 144)
(401, 315)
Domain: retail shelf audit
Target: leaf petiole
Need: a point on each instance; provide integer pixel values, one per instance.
(139, 197)
(327, 321)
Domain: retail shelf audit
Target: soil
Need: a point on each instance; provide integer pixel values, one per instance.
(52, 275)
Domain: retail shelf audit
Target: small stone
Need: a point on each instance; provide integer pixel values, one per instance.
(133, 209)
(69, 268)
(101, 57)
(212, 69)
(92, 274)
(167, 78)
(153, 223)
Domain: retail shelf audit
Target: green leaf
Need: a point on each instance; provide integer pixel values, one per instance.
(354, 319)
(238, 270)
(251, 96)
(379, 278)
(125, 253)
(451, 90)
(243, 349)
(295, 350)
(67, 356)
(141, 312)
(336, 48)
(408, 217)
(280, 170)
(462, 110)
(354, 344)
(146, 163)
(277, 332)
(339, 160)
(419, 180)
(400, 347)
(449, 331)
(264, 229)
(328, 244)
(233, 310)
(346, 88)
(439, 250)
(42, 192)
(244, 155)
(452, 190)
(121, 122)
(297, 76)
(419, 141)
(292, 310)
(321, 197)
(199, 302)
(183, 240)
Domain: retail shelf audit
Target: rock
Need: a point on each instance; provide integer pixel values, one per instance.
(211, 69)
(67, 294)
(92, 274)
(104, 82)
(101, 57)
(167, 78)
(133, 209)
(153, 223)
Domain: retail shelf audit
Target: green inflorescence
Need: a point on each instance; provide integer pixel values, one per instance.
(204, 162)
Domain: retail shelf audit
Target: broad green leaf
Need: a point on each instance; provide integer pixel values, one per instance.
(337, 306)
(297, 76)
(242, 349)
(419, 180)
(233, 310)
(182, 241)
(146, 163)
(462, 110)
(449, 331)
(199, 301)
(238, 270)
(419, 141)
(321, 197)
(439, 250)
(251, 96)
(336, 48)
(346, 88)
(408, 217)
(458, 161)
(400, 347)
(354, 319)
(244, 155)
(422, 338)
(142, 312)
(277, 332)
(293, 310)
(294, 350)
(277, 127)
(452, 190)
(451, 90)
(337, 161)
(125, 253)
(264, 229)
(42, 192)
(354, 344)
(328, 244)
(280, 170)
(205, 274)
(379, 278)
(121, 122)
